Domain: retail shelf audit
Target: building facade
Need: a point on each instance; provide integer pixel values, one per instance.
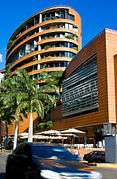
(90, 89)
(46, 42)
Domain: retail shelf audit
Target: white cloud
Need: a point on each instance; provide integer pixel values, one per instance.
(0, 57)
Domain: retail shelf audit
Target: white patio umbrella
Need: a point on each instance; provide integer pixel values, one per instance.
(23, 134)
(48, 137)
(40, 137)
(35, 137)
(72, 131)
(69, 135)
(57, 137)
(24, 137)
(50, 132)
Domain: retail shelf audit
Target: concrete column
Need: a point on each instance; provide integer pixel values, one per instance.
(38, 67)
(39, 38)
(39, 47)
(111, 149)
(66, 26)
(40, 29)
(40, 18)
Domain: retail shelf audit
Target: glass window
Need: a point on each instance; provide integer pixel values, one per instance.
(50, 151)
(71, 17)
(27, 49)
(80, 92)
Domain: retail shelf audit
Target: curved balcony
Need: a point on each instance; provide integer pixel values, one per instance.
(22, 43)
(47, 60)
(40, 33)
(22, 34)
(56, 7)
(24, 58)
(41, 52)
(54, 49)
(47, 70)
(58, 30)
(40, 25)
(57, 21)
(62, 39)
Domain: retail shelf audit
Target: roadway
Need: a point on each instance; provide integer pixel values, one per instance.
(108, 173)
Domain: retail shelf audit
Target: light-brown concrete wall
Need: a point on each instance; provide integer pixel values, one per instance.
(105, 47)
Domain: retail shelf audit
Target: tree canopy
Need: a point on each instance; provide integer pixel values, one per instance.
(20, 95)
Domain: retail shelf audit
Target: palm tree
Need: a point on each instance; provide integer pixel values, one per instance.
(51, 85)
(17, 116)
(12, 103)
(20, 95)
(51, 81)
(37, 100)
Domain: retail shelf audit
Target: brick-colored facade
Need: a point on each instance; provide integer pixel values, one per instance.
(104, 46)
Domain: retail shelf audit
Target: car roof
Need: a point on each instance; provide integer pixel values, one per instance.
(24, 144)
(38, 144)
(97, 151)
(45, 144)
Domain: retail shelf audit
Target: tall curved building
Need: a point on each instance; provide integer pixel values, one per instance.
(45, 42)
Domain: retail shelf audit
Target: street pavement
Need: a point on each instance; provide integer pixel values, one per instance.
(108, 173)
(3, 158)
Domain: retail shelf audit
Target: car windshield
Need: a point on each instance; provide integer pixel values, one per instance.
(52, 152)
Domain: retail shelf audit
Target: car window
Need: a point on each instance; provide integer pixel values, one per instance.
(52, 152)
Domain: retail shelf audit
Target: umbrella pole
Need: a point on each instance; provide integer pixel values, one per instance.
(72, 140)
(62, 141)
(85, 140)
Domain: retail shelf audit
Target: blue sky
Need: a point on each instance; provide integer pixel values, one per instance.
(96, 15)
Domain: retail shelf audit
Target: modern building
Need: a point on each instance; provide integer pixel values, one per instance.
(46, 42)
(90, 92)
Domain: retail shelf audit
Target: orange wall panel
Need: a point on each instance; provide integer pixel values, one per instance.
(23, 125)
(105, 47)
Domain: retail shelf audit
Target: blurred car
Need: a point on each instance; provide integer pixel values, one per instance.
(95, 156)
(47, 161)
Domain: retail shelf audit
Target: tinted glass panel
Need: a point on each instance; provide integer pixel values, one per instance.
(52, 151)
(80, 91)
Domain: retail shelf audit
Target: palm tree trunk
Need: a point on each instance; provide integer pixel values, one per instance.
(16, 135)
(30, 131)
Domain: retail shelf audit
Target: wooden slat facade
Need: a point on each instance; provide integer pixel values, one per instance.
(105, 48)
